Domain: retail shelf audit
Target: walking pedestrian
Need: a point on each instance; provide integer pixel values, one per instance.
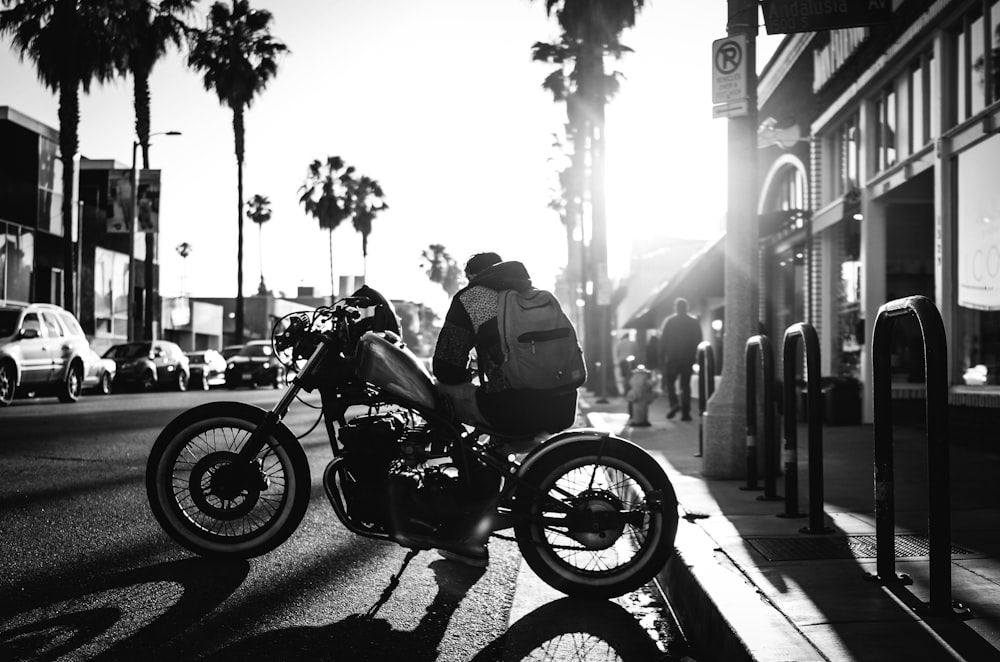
(679, 339)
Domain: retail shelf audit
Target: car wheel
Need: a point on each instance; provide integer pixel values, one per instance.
(104, 388)
(148, 381)
(72, 384)
(6, 383)
(182, 381)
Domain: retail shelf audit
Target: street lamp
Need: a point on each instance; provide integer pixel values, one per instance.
(131, 334)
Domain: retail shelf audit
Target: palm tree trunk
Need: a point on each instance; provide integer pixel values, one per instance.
(333, 289)
(238, 130)
(69, 121)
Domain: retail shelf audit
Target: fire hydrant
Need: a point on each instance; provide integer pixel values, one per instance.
(640, 395)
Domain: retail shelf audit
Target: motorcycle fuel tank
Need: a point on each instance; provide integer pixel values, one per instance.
(390, 366)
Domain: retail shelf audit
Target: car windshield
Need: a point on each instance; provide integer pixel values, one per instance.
(8, 322)
(256, 350)
(127, 351)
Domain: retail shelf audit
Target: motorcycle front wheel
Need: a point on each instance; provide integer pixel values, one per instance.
(597, 553)
(205, 497)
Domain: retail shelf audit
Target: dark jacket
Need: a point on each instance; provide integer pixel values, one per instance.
(679, 339)
(471, 322)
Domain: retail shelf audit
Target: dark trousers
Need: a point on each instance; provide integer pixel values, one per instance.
(673, 371)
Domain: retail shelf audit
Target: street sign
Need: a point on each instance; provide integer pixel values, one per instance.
(788, 16)
(729, 69)
(739, 108)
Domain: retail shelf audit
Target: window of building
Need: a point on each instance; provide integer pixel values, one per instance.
(50, 195)
(110, 277)
(17, 259)
(846, 151)
(886, 123)
(975, 52)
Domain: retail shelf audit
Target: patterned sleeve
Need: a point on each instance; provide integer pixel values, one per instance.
(456, 340)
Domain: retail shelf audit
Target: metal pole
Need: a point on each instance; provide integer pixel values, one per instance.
(130, 302)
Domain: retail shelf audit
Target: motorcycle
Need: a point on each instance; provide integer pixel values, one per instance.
(592, 514)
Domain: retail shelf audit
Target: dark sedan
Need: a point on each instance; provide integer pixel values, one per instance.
(255, 365)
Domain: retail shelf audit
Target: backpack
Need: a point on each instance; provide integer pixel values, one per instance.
(540, 348)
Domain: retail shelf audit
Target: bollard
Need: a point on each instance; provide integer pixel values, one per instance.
(939, 507)
(760, 345)
(706, 387)
(815, 412)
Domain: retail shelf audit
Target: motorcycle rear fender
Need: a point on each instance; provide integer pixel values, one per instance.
(564, 438)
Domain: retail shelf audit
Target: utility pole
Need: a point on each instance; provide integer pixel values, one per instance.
(725, 417)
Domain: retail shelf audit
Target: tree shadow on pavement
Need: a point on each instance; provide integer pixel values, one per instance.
(125, 615)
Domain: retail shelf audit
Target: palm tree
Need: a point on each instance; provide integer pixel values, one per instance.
(368, 201)
(70, 44)
(260, 213)
(327, 196)
(184, 250)
(591, 31)
(146, 30)
(442, 268)
(238, 56)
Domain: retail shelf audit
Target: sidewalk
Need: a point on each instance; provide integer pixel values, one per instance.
(749, 585)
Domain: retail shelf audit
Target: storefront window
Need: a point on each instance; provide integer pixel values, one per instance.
(847, 348)
(978, 264)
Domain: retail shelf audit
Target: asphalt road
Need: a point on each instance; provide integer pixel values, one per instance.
(88, 575)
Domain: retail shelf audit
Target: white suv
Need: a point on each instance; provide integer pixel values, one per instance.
(42, 350)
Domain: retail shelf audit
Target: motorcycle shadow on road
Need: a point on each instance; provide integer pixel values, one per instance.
(366, 636)
(125, 615)
(575, 629)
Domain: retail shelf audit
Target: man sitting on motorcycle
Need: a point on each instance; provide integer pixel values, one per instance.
(471, 324)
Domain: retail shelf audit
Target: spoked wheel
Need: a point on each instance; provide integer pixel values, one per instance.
(606, 523)
(209, 499)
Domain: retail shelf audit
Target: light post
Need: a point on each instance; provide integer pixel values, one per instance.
(133, 222)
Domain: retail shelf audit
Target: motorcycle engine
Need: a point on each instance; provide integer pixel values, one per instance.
(398, 477)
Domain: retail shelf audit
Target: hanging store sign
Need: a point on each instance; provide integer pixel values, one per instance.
(979, 227)
(122, 207)
(788, 16)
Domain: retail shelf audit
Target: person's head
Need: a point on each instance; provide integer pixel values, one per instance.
(680, 305)
(479, 263)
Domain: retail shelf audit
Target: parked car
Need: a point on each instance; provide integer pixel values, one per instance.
(230, 351)
(42, 351)
(255, 365)
(98, 373)
(208, 368)
(147, 365)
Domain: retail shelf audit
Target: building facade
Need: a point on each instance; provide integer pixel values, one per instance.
(894, 179)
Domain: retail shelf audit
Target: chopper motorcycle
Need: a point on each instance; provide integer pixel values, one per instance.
(593, 514)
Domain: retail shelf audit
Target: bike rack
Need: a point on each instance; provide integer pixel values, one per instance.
(939, 507)
(706, 387)
(760, 345)
(815, 412)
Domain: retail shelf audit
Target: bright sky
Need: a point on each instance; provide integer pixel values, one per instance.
(438, 100)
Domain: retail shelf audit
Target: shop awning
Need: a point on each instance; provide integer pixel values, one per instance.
(700, 277)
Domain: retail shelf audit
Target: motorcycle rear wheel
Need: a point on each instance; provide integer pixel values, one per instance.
(198, 494)
(600, 476)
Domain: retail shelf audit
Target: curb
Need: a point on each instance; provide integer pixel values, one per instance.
(739, 624)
